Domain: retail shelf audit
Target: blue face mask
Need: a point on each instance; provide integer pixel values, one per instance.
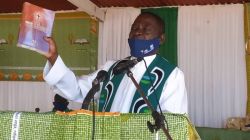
(142, 48)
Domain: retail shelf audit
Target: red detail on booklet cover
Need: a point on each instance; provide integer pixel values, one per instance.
(36, 22)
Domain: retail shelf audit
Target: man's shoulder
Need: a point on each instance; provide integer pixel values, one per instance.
(164, 61)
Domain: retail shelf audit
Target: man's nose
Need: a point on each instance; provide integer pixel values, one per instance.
(138, 32)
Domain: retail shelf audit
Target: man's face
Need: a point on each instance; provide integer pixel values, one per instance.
(145, 27)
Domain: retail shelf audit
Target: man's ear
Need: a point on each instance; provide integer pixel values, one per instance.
(162, 38)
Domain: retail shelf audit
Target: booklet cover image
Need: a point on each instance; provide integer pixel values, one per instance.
(36, 23)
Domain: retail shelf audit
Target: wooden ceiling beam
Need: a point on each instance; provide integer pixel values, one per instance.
(89, 7)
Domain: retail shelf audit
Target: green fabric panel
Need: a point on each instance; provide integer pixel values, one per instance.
(75, 55)
(135, 126)
(106, 127)
(5, 121)
(169, 48)
(50, 126)
(159, 69)
(248, 83)
(109, 89)
(82, 59)
(247, 40)
(222, 134)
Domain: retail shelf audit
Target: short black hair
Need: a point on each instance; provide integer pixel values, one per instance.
(158, 19)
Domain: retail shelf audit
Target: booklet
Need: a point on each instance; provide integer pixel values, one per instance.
(36, 23)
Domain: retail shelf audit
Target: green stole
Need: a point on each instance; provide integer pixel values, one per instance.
(157, 74)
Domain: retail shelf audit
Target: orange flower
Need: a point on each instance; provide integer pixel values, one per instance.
(27, 76)
(13, 76)
(39, 77)
(1, 75)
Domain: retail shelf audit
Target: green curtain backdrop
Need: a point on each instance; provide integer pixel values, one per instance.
(169, 48)
(18, 64)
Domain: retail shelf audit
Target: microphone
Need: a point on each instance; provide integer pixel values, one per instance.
(101, 76)
(124, 65)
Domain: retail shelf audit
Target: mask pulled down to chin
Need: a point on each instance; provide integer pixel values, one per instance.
(141, 48)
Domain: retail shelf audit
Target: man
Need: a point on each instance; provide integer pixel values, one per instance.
(162, 82)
